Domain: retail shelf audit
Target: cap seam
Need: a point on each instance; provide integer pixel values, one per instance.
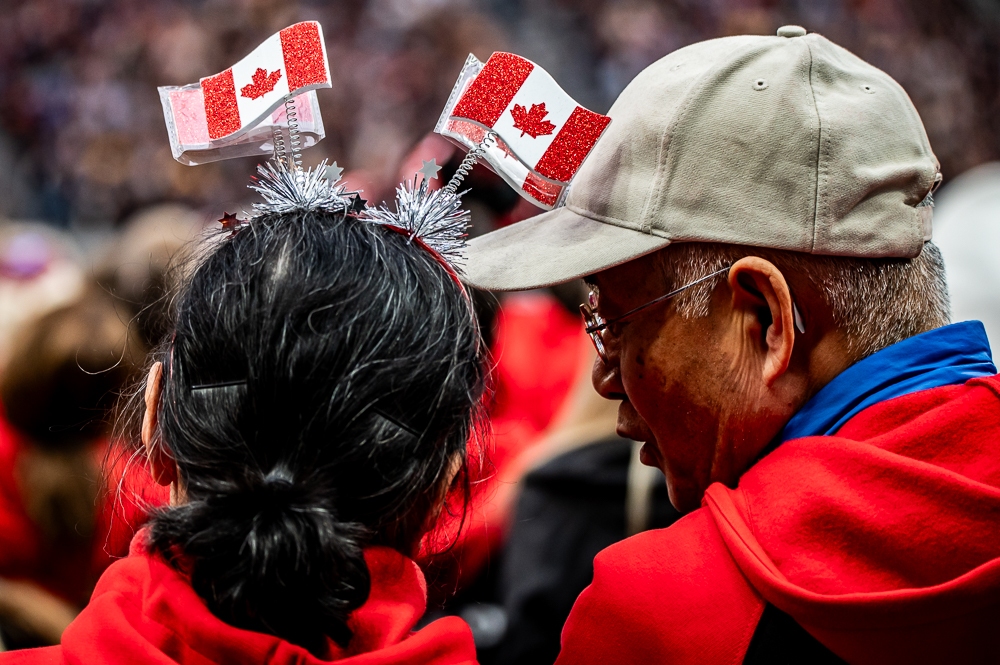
(666, 139)
(819, 151)
(614, 221)
(927, 149)
(911, 110)
(645, 224)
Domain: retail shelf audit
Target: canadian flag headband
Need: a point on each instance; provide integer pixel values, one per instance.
(526, 128)
(512, 114)
(266, 105)
(509, 112)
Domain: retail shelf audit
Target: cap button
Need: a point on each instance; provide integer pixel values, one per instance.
(791, 31)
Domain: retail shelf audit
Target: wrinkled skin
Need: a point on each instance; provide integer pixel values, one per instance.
(706, 395)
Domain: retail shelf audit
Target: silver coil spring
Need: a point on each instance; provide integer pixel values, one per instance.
(278, 139)
(294, 140)
(470, 160)
(288, 153)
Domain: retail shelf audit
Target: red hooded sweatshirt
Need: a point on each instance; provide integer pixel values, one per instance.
(144, 611)
(882, 542)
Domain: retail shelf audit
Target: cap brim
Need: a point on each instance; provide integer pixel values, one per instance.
(551, 248)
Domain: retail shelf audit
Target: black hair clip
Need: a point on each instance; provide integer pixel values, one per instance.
(396, 421)
(219, 384)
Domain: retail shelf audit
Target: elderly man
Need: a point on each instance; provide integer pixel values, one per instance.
(767, 308)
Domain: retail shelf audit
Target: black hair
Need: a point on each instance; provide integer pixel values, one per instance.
(321, 380)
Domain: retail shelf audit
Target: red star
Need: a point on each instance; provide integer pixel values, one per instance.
(230, 223)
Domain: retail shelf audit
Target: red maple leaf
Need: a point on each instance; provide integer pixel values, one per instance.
(261, 83)
(532, 122)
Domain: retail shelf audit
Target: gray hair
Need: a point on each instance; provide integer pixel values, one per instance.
(876, 302)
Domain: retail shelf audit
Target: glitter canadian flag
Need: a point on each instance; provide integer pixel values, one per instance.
(236, 113)
(544, 135)
(292, 61)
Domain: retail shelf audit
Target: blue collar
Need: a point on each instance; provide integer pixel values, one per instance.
(940, 357)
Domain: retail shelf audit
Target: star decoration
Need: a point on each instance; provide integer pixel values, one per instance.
(429, 169)
(359, 203)
(230, 223)
(333, 172)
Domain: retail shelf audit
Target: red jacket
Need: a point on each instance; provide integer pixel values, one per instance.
(883, 542)
(144, 611)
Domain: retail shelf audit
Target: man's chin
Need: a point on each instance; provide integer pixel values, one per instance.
(684, 497)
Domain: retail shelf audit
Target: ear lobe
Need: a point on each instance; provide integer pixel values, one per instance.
(760, 289)
(162, 467)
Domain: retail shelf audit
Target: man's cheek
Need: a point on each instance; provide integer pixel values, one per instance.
(646, 388)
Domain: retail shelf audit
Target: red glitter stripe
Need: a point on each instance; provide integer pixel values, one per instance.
(572, 144)
(541, 190)
(221, 110)
(303, 52)
(492, 90)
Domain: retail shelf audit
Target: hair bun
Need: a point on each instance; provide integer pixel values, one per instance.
(271, 551)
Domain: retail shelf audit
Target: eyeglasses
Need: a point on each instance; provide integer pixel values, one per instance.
(597, 325)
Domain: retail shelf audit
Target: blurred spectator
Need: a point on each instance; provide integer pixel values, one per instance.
(581, 489)
(536, 342)
(64, 372)
(39, 271)
(967, 229)
(141, 267)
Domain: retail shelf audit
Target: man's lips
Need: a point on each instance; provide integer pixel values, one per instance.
(649, 455)
(632, 426)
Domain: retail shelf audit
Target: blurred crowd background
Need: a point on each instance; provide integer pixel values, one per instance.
(83, 145)
(94, 212)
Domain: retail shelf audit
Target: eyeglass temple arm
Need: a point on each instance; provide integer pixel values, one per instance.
(669, 295)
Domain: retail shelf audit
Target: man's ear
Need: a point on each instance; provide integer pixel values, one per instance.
(162, 467)
(760, 290)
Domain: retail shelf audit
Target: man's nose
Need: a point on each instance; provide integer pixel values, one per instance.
(606, 377)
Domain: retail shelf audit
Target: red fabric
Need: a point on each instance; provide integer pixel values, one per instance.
(144, 611)
(24, 553)
(538, 351)
(19, 539)
(883, 542)
(129, 496)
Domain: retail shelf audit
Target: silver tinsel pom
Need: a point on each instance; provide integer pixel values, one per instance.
(285, 190)
(435, 217)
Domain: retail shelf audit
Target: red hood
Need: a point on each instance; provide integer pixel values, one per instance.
(882, 541)
(143, 611)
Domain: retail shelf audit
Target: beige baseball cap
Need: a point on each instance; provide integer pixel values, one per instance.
(788, 142)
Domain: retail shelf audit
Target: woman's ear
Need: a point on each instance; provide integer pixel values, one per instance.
(760, 291)
(162, 467)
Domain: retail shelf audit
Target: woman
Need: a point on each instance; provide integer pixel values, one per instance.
(309, 413)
